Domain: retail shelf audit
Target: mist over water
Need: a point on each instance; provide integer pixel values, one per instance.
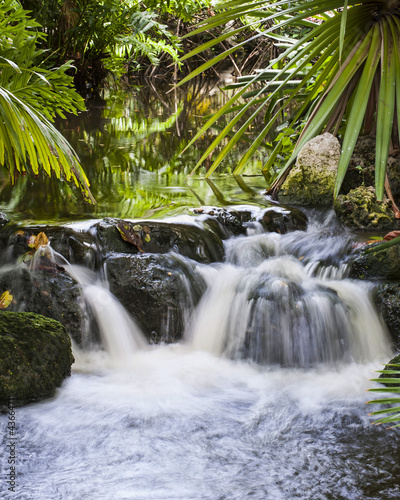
(263, 399)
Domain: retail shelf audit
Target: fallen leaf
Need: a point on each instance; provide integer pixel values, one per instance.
(147, 238)
(391, 235)
(146, 229)
(128, 234)
(41, 240)
(5, 299)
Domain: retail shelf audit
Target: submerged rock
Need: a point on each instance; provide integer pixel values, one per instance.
(311, 181)
(159, 291)
(35, 357)
(360, 208)
(387, 300)
(3, 219)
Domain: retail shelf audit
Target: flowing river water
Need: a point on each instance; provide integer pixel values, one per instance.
(264, 398)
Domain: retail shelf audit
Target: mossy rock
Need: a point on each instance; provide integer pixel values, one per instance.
(35, 357)
(312, 180)
(360, 209)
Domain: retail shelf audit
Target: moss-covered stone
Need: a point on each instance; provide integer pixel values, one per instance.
(360, 209)
(35, 357)
(311, 181)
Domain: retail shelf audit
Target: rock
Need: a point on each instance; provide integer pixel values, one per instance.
(387, 300)
(360, 209)
(190, 240)
(159, 291)
(50, 293)
(235, 221)
(376, 265)
(76, 244)
(283, 219)
(35, 357)
(311, 181)
(361, 169)
(3, 219)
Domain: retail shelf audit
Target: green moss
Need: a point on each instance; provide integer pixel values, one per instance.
(360, 208)
(35, 356)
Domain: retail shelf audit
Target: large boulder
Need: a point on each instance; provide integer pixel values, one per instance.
(159, 291)
(35, 357)
(311, 181)
(387, 300)
(360, 209)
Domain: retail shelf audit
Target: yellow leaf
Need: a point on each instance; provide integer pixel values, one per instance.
(5, 299)
(41, 240)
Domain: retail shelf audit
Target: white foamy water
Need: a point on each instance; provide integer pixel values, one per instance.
(183, 424)
(120, 334)
(264, 399)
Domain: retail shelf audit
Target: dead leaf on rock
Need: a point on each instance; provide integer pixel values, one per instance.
(391, 235)
(41, 240)
(5, 299)
(128, 234)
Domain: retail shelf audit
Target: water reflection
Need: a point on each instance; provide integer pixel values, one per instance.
(129, 144)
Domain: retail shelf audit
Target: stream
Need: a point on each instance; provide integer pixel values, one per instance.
(264, 397)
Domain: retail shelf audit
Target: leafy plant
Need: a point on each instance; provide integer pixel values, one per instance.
(346, 70)
(30, 97)
(391, 381)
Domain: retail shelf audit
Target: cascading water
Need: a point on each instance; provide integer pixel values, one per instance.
(184, 422)
(120, 334)
(275, 302)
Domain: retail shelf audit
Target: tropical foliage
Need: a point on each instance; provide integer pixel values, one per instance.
(103, 36)
(30, 98)
(391, 379)
(339, 72)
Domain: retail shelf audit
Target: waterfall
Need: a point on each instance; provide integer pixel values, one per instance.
(120, 334)
(282, 299)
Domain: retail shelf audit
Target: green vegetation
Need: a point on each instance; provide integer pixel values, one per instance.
(390, 378)
(30, 98)
(339, 73)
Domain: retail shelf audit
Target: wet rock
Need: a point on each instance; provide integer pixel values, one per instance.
(78, 246)
(387, 300)
(49, 293)
(3, 219)
(159, 291)
(360, 209)
(283, 219)
(35, 357)
(190, 240)
(311, 181)
(383, 265)
(228, 222)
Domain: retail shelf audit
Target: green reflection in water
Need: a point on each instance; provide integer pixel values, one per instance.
(129, 145)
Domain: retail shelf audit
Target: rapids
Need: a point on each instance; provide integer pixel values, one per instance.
(263, 399)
